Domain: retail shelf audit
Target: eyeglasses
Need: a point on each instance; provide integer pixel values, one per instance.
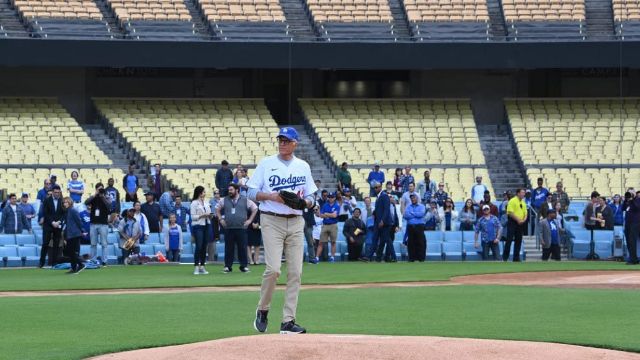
(283, 141)
(441, 185)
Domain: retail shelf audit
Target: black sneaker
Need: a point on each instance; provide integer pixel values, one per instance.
(292, 328)
(70, 272)
(260, 323)
(80, 268)
(245, 269)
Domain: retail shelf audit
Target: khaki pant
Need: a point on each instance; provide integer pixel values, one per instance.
(280, 233)
(329, 233)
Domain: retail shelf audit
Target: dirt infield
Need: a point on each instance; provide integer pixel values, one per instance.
(320, 347)
(568, 279)
(565, 279)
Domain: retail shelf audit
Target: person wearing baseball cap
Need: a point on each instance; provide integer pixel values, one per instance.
(329, 232)
(490, 230)
(27, 209)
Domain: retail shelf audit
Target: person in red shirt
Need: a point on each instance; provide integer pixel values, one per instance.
(487, 201)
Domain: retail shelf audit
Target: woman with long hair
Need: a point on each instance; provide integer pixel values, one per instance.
(72, 235)
(201, 216)
(397, 182)
(448, 216)
(467, 216)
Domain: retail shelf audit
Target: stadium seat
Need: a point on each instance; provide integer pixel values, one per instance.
(85, 250)
(154, 238)
(30, 254)
(147, 249)
(112, 238)
(435, 236)
(453, 237)
(7, 239)
(470, 252)
(469, 236)
(159, 248)
(452, 251)
(9, 256)
(434, 250)
(333, 121)
(25, 239)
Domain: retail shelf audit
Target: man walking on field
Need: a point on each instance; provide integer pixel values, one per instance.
(282, 225)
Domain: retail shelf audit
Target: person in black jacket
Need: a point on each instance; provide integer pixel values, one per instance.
(604, 216)
(99, 228)
(354, 231)
(53, 212)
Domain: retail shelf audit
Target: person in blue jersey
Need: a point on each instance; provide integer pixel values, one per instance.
(489, 229)
(172, 236)
(440, 196)
(539, 195)
(375, 175)
(329, 232)
(75, 187)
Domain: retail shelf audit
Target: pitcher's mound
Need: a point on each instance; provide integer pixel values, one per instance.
(319, 346)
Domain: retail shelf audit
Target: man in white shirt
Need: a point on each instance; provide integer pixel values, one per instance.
(477, 191)
(282, 226)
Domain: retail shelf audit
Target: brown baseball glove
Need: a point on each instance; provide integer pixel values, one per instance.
(292, 200)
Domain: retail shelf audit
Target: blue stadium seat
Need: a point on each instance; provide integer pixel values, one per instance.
(37, 233)
(186, 255)
(113, 253)
(7, 239)
(24, 239)
(453, 236)
(147, 249)
(452, 250)
(219, 250)
(399, 250)
(581, 243)
(154, 238)
(30, 254)
(436, 236)
(603, 243)
(160, 248)
(468, 236)
(10, 254)
(434, 250)
(85, 249)
(112, 238)
(470, 252)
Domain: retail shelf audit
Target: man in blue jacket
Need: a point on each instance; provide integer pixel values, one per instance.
(416, 243)
(13, 219)
(382, 223)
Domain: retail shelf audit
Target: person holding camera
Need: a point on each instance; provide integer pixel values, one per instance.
(99, 218)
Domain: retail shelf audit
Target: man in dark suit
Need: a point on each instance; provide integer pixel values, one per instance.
(382, 222)
(51, 226)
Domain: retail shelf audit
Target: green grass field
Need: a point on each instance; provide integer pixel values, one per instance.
(73, 327)
(118, 277)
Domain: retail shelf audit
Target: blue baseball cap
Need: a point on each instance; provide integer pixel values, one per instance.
(331, 195)
(289, 133)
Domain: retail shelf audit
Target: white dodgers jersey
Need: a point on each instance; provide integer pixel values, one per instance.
(273, 175)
